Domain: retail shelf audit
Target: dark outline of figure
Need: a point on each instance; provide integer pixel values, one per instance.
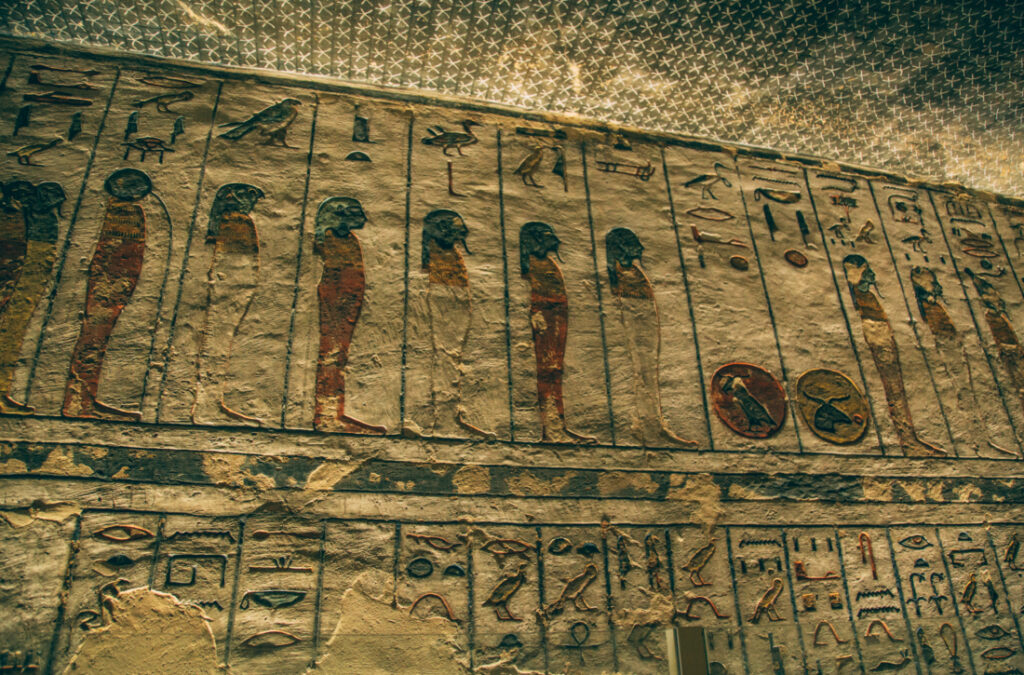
(549, 322)
(340, 294)
(881, 343)
(1011, 353)
(450, 310)
(930, 302)
(235, 265)
(113, 275)
(28, 250)
(641, 324)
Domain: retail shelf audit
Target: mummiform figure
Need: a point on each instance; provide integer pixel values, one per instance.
(340, 292)
(28, 248)
(113, 274)
(641, 326)
(881, 343)
(450, 309)
(549, 321)
(231, 285)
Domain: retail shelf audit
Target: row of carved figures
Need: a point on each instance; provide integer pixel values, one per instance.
(28, 243)
(28, 237)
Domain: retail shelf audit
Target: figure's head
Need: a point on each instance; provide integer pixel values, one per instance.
(924, 280)
(48, 196)
(128, 185)
(237, 197)
(538, 240)
(858, 272)
(231, 198)
(622, 246)
(987, 292)
(17, 195)
(341, 214)
(444, 227)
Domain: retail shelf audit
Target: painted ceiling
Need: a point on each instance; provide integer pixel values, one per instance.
(929, 89)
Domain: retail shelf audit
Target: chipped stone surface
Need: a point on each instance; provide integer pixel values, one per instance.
(148, 631)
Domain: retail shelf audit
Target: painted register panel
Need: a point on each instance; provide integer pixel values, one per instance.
(281, 592)
(229, 255)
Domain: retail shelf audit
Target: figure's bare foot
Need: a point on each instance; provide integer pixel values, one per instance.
(9, 406)
(460, 419)
(355, 426)
(564, 435)
(915, 447)
(112, 412)
(1002, 450)
(242, 417)
(668, 437)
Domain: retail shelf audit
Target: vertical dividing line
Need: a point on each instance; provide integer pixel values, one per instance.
(7, 72)
(913, 323)
(768, 304)
(62, 605)
(405, 294)
(540, 595)
(689, 301)
(597, 287)
(792, 598)
(59, 273)
(736, 599)
(471, 602)
(1006, 589)
(846, 592)
(974, 318)
(234, 592)
(668, 561)
(911, 638)
(842, 309)
(319, 594)
(504, 270)
(394, 565)
(298, 265)
(608, 601)
(188, 248)
(156, 549)
(952, 599)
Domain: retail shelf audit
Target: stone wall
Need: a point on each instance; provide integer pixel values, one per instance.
(301, 376)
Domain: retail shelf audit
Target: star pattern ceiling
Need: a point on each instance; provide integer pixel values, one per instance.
(930, 89)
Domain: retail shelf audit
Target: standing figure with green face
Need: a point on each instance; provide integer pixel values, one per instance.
(340, 292)
(641, 326)
(28, 249)
(232, 282)
(113, 274)
(549, 320)
(881, 343)
(450, 309)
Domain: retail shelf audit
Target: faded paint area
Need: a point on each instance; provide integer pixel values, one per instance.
(472, 480)
(528, 483)
(149, 632)
(329, 474)
(626, 483)
(373, 637)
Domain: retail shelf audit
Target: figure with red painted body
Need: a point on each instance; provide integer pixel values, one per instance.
(549, 320)
(113, 274)
(28, 248)
(340, 292)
